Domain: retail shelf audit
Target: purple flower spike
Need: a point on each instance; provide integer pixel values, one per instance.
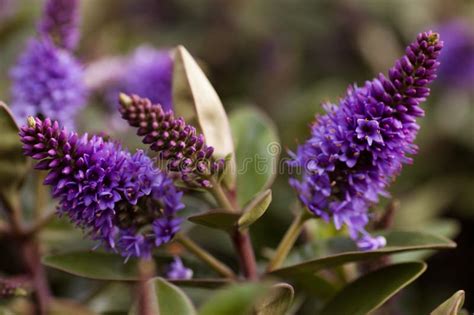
(177, 271)
(360, 145)
(47, 81)
(92, 179)
(176, 142)
(61, 22)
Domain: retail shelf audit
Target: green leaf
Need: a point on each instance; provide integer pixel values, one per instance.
(255, 209)
(277, 301)
(451, 306)
(397, 242)
(94, 265)
(169, 299)
(257, 150)
(64, 306)
(237, 299)
(202, 283)
(13, 164)
(196, 100)
(370, 291)
(216, 219)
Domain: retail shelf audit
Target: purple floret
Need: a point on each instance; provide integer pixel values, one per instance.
(177, 270)
(115, 196)
(360, 145)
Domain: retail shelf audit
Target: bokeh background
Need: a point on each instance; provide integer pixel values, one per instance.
(287, 57)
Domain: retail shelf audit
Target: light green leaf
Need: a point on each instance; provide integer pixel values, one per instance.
(397, 242)
(216, 219)
(13, 164)
(277, 301)
(372, 290)
(255, 209)
(257, 151)
(196, 100)
(237, 299)
(451, 306)
(172, 300)
(64, 306)
(94, 265)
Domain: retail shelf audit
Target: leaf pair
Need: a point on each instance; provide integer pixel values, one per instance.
(226, 221)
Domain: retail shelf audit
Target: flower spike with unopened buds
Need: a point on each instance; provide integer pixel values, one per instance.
(176, 142)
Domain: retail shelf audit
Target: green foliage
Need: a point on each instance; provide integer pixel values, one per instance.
(238, 299)
(94, 265)
(371, 290)
(216, 219)
(451, 306)
(255, 209)
(397, 242)
(257, 150)
(277, 301)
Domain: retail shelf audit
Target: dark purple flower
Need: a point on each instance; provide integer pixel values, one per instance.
(177, 143)
(92, 179)
(47, 81)
(60, 21)
(177, 271)
(359, 146)
(148, 73)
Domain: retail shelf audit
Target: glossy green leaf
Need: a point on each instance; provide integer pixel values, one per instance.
(370, 291)
(196, 100)
(451, 306)
(202, 283)
(221, 220)
(397, 242)
(257, 150)
(255, 209)
(13, 164)
(237, 299)
(277, 301)
(94, 265)
(168, 299)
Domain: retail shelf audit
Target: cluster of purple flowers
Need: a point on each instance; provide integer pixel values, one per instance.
(149, 73)
(176, 142)
(47, 79)
(61, 22)
(119, 198)
(359, 146)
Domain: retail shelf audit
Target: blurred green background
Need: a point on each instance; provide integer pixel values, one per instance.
(287, 57)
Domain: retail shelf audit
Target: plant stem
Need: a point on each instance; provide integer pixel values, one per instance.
(205, 256)
(221, 197)
(32, 257)
(240, 239)
(40, 194)
(146, 270)
(244, 247)
(288, 241)
(41, 222)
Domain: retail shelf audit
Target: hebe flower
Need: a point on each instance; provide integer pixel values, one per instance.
(47, 81)
(149, 73)
(174, 140)
(60, 21)
(359, 146)
(121, 199)
(177, 270)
